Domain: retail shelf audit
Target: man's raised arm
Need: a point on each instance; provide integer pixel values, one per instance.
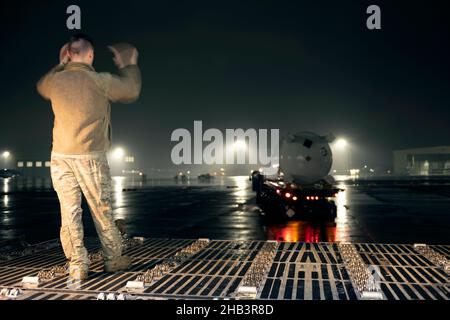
(126, 86)
(44, 84)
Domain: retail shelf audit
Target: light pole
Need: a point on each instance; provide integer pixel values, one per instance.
(118, 153)
(342, 145)
(116, 160)
(5, 156)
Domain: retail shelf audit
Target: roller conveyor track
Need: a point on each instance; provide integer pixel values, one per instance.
(296, 271)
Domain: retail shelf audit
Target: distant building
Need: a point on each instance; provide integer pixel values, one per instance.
(422, 161)
(40, 168)
(33, 167)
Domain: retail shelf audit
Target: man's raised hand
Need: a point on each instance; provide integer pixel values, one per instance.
(134, 57)
(124, 54)
(64, 57)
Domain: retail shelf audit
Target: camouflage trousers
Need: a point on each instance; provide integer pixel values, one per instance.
(89, 175)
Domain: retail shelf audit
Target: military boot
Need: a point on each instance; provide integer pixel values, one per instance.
(78, 273)
(118, 264)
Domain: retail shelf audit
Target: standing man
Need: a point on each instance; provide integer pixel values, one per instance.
(80, 99)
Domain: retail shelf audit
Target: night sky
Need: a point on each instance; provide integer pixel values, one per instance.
(297, 65)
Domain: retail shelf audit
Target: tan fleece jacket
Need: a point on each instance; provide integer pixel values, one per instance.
(81, 99)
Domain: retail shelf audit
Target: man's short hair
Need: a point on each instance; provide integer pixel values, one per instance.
(80, 43)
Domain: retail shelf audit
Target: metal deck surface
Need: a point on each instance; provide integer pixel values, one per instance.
(216, 269)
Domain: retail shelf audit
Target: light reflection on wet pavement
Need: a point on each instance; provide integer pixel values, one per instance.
(225, 209)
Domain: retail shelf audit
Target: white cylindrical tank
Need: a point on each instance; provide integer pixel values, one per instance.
(305, 157)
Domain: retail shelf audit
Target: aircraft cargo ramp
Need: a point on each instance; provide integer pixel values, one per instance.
(222, 269)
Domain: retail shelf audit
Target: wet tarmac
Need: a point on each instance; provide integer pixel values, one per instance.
(368, 211)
